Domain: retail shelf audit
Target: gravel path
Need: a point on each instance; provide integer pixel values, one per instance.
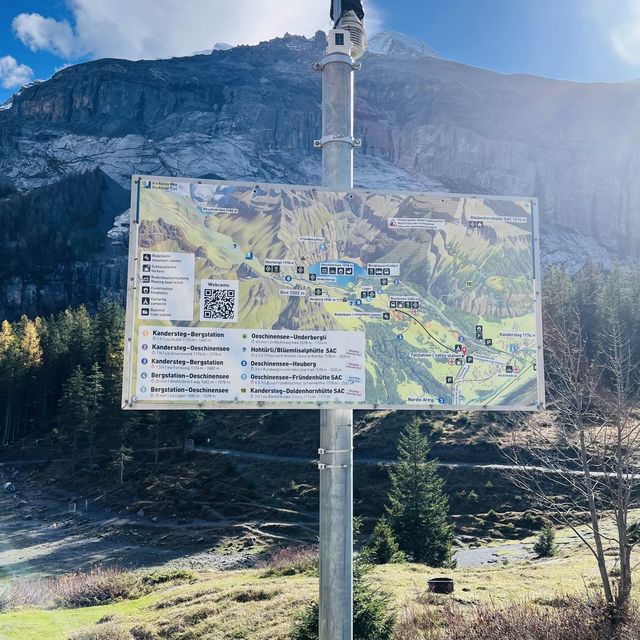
(493, 554)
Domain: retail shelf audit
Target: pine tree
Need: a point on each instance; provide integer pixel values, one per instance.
(383, 547)
(589, 287)
(559, 293)
(545, 546)
(94, 385)
(9, 371)
(80, 338)
(372, 616)
(153, 420)
(108, 334)
(418, 507)
(74, 409)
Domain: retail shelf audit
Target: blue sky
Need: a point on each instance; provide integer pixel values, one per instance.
(583, 40)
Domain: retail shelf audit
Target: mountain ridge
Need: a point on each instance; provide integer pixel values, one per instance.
(428, 124)
(398, 44)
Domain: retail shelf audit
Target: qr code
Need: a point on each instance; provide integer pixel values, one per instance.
(219, 301)
(219, 304)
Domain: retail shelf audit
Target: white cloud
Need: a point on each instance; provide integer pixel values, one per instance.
(39, 33)
(374, 18)
(12, 74)
(137, 29)
(625, 36)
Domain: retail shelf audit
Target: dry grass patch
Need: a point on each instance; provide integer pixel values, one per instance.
(108, 631)
(290, 561)
(100, 586)
(575, 620)
(236, 608)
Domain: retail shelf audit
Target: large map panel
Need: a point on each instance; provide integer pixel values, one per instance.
(246, 295)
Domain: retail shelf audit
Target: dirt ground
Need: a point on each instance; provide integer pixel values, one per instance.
(41, 536)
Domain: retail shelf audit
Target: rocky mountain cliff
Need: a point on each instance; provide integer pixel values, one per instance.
(252, 113)
(392, 43)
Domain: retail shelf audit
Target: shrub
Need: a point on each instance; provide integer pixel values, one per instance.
(87, 589)
(109, 631)
(144, 632)
(463, 420)
(253, 595)
(492, 516)
(99, 586)
(27, 593)
(291, 561)
(508, 530)
(545, 546)
(372, 618)
(383, 547)
(531, 520)
(435, 431)
(180, 576)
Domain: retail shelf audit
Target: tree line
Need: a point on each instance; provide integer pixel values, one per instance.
(64, 372)
(60, 377)
(61, 381)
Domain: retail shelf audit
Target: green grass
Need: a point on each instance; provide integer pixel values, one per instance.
(244, 604)
(247, 604)
(29, 624)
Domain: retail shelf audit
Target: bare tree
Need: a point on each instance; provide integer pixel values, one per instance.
(584, 460)
(620, 442)
(121, 457)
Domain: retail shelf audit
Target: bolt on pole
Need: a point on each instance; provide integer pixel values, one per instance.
(336, 425)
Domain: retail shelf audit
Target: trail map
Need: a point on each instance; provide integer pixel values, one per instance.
(244, 295)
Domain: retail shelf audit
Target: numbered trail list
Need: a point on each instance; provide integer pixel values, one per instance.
(218, 365)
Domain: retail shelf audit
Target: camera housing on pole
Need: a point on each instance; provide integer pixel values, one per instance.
(350, 24)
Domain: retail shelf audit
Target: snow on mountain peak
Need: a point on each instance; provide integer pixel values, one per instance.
(218, 46)
(392, 43)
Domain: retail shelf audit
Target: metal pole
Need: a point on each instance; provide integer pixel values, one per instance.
(336, 425)
(337, 121)
(336, 526)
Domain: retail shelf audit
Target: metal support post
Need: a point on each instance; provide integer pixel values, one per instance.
(337, 121)
(336, 425)
(336, 525)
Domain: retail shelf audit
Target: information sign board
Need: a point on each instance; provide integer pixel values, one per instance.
(245, 296)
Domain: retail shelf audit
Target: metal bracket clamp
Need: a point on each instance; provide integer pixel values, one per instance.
(322, 466)
(356, 143)
(323, 452)
(337, 57)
